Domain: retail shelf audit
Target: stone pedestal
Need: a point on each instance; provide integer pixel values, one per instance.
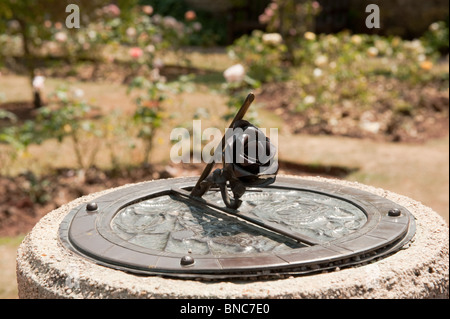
(46, 269)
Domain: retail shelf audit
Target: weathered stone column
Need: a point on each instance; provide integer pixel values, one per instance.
(46, 269)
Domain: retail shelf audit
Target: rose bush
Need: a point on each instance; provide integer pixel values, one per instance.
(124, 33)
(329, 68)
(262, 54)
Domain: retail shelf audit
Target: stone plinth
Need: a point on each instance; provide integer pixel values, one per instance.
(46, 269)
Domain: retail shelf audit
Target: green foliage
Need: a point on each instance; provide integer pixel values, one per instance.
(107, 29)
(17, 139)
(65, 116)
(291, 19)
(38, 190)
(20, 137)
(262, 54)
(149, 114)
(213, 30)
(8, 116)
(69, 116)
(334, 69)
(344, 57)
(26, 18)
(437, 37)
(30, 21)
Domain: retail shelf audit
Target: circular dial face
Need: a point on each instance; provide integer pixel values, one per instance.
(294, 226)
(176, 225)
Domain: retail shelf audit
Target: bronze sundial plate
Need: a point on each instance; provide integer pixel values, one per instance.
(291, 227)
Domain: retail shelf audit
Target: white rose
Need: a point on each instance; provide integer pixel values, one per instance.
(131, 32)
(317, 72)
(321, 60)
(235, 73)
(150, 48)
(61, 37)
(272, 38)
(356, 39)
(309, 99)
(372, 51)
(310, 36)
(434, 26)
(421, 57)
(38, 82)
(78, 93)
(92, 34)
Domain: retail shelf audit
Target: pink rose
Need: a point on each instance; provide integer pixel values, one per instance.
(190, 15)
(112, 9)
(197, 26)
(263, 19)
(269, 12)
(136, 52)
(147, 10)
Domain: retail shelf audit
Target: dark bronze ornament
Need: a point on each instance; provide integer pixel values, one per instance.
(248, 159)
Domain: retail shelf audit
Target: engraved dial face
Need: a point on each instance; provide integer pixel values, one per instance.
(176, 225)
(294, 226)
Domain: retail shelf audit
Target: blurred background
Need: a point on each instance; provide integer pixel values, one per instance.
(88, 108)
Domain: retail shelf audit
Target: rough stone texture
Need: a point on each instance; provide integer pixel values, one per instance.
(45, 269)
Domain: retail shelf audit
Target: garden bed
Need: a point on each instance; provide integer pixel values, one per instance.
(425, 116)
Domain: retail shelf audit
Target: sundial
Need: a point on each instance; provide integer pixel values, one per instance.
(240, 221)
